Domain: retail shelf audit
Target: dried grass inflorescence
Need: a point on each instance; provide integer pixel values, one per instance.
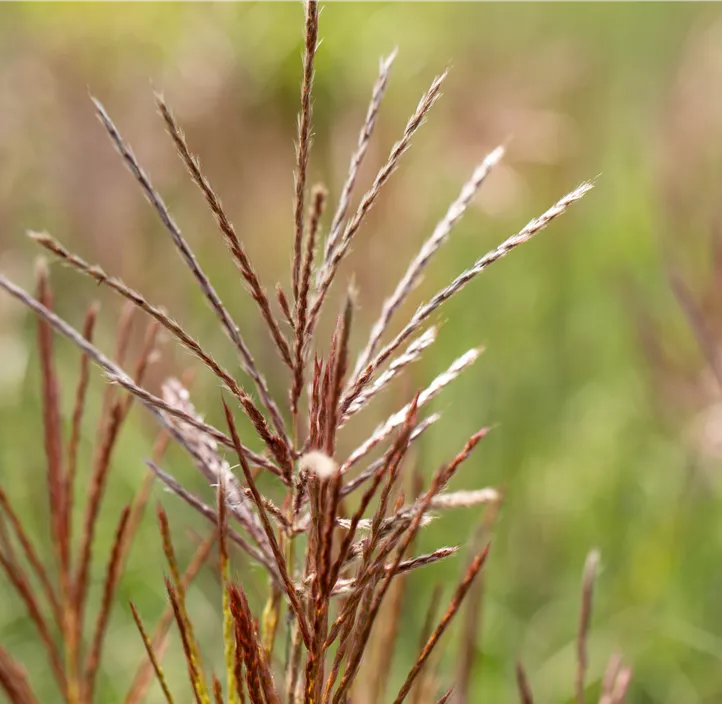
(338, 547)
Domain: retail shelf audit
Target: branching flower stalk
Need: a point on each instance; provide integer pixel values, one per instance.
(337, 542)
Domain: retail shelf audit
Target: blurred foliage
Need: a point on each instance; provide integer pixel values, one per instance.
(590, 446)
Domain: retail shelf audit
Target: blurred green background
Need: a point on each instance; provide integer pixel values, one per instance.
(606, 434)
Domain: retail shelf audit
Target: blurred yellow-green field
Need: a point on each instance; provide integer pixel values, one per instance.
(605, 431)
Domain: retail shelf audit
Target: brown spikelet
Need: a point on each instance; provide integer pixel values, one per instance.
(81, 389)
(152, 656)
(319, 194)
(178, 600)
(610, 676)
(293, 668)
(217, 690)
(432, 609)
(229, 233)
(357, 158)
(232, 681)
(199, 691)
(258, 674)
(338, 372)
(445, 697)
(278, 555)
(472, 625)
(72, 624)
(325, 414)
(123, 332)
(238, 673)
(114, 413)
(19, 580)
(304, 138)
(169, 551)
(522, 685)
(330, 511)
(318, 202)
(346, 639)
(14, 680)
(6, 544)
(454, 606)
(31, 555)
(621, 686)
(159, 640)
(284, 305)
(245, 653)
(698, 323)
(585, 616)
(51, 422)
(98, 481)
(145, 358)
(324, 489)
(316, 411)
(385, 645)
(92, 659)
